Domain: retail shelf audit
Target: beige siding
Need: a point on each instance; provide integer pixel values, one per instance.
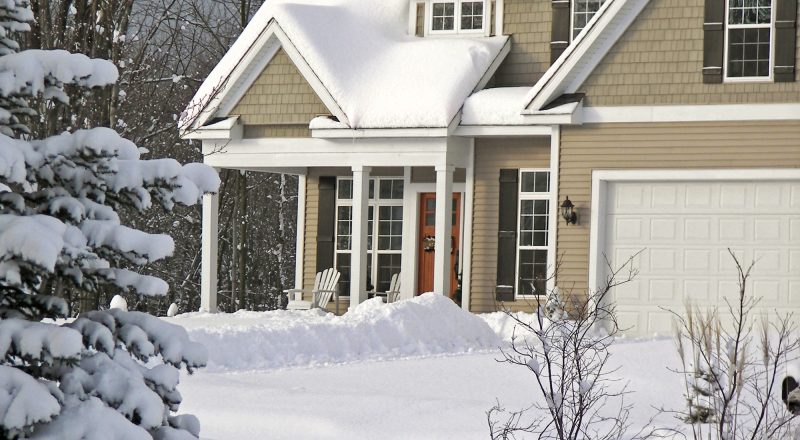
(664, 146)
(277, 130)
(528, 23)
(492, 155)
(659, 60)
(279, 97)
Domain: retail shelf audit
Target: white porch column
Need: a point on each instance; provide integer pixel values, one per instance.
(442, 269)
(208, 273)
(358, 257)
(301, 232)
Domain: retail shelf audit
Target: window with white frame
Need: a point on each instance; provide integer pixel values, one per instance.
(384, 254)
(749, 39)
(534, 236)
(457, 16)
(582, 13)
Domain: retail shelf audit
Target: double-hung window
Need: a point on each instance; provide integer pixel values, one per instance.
(534, 236)
(457, 16)
(383, 254)
(749, 36)
(582, 13)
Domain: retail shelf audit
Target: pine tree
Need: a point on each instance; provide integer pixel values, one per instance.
(90, 378)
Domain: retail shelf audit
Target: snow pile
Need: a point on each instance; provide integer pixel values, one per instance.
(507, 327)
(499, 106)
(380, 76)
(426, 325)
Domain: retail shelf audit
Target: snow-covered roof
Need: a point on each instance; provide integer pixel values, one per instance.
(361, 53)
(498, 106)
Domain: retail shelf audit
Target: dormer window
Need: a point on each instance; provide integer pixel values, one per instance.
(457, 17)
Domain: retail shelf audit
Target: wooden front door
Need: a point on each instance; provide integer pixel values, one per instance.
(427, 242)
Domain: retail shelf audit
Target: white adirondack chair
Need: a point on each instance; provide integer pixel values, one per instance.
(325, 286)
(393, 294)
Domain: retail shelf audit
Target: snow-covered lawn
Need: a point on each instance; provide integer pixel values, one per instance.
(420, 370)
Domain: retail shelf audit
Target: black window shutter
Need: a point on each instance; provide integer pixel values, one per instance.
(507, 235)
(326, 222)
(785, 40)
(713, 41)
(560, 29)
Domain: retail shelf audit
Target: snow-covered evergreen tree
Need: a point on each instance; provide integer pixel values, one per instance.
(92, 378)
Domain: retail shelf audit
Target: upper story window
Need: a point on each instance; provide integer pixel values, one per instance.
(582, 13)
(452, 17)
(749, 39)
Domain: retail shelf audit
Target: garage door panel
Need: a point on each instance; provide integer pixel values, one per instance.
(664, 228)
(684, 230)
(698, 291)
(664, 290)
(768, 229)
(698, 260)
(794, 229)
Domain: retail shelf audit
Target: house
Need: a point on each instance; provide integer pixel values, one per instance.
(439, 139)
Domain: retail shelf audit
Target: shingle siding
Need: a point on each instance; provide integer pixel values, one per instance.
(659, 61)
(280, 103)
(528, 23)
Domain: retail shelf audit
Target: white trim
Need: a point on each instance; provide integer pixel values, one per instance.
(498, 17)
(692, 113)
(601, 178)
(230, 128)
(581, 57)
(466, 229)
(305, 152)
(348, 133)
(412, 19)
(501, 130)
(555, 205)
(299, 259)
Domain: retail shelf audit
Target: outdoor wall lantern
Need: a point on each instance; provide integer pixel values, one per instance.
(568, 212)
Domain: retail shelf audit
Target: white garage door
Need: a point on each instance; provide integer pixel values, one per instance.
(685, 229)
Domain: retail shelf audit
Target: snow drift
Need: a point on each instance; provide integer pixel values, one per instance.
(426, 325)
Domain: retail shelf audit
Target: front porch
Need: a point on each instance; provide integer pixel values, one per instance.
(370, 208)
